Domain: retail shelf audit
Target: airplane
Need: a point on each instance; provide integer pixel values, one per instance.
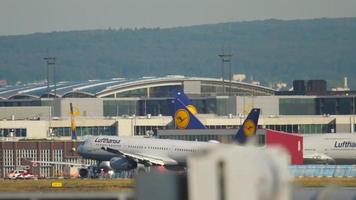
(119, 154)
(126, 153)
(332, 148)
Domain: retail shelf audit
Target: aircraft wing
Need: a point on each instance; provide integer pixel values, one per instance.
(143, 158)
(34, 162)
(318, 158)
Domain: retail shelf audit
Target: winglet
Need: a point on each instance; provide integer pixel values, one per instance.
(248, 127)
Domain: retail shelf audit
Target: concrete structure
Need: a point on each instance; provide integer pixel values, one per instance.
(234, 172)
(25, 112)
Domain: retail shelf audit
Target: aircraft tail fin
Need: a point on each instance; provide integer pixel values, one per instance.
(179, 94)
(184, 115)
(72, 123)
(248, 127)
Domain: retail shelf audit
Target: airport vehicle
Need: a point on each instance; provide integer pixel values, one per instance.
(126, 153)
(329, 148)
(19, 174)
(14, 174)
(26, 175)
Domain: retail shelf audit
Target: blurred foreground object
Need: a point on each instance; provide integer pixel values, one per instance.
(231, 172)
(158, 185)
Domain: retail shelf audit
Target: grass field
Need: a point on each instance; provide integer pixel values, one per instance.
(68, 185)
(324, 181)
(122, 185)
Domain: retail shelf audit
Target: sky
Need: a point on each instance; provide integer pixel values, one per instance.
(30, 16)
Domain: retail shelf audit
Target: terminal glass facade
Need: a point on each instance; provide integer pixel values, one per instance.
(336, 105)
(85, 130)
(294, 106)
(20, 102)
(161, 106)
(142, 92)
(317, 106)
(148, 130)
(304, 128)
(119, 107)
(208, 89)
(163, 91)
(13, 132)
(155, 107)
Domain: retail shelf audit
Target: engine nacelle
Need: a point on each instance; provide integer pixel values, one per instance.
(84, 173)
(105, 165)
(90, 172)
(121, 163)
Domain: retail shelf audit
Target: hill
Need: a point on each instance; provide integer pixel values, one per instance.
(268, 50)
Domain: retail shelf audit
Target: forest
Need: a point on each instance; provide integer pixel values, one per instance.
(269, 51)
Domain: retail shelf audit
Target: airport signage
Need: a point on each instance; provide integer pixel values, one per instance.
(57, 184)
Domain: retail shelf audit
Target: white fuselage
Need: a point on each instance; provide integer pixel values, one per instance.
(327, 148)
(341, 147)
(174, 152)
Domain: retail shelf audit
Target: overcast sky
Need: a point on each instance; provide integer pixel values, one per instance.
(29, 16)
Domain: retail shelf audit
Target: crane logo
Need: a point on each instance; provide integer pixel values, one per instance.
(249, 127)
(181, 118)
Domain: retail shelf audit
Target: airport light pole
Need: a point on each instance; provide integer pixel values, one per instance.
(353, 115)
(51, 61)
(225, 58)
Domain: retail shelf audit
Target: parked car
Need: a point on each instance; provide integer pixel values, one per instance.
(14, 174)
(19, 174)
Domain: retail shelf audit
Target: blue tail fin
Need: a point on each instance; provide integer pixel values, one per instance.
(249, 126)
(183, 114)
(178, 94)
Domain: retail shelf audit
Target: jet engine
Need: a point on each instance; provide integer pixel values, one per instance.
(121, 163)
(105, 165)
(94, 170)
(84, 173)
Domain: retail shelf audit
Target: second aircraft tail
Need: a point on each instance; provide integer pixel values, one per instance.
(248, 127)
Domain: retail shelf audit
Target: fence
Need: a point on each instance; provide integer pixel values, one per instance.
(323, 170)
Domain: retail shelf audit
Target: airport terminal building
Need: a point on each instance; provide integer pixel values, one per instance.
(134, 107)
(143, 106)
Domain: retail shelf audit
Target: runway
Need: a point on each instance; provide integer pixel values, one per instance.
(298, 193)
(323, 193)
